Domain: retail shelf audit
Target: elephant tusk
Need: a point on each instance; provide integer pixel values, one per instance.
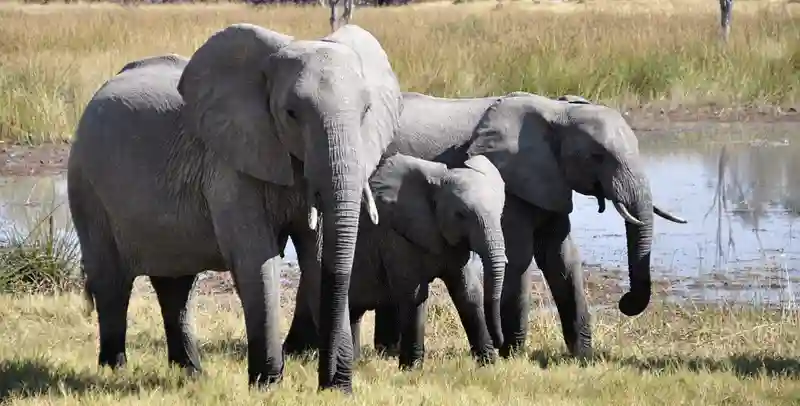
(313, 213)
(373, 210)
(312, 218)
(666, 215)
(626, 215)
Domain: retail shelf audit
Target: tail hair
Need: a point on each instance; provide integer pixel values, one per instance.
(88, 298)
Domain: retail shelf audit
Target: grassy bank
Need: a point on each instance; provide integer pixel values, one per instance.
(621, 52)
(667, 356)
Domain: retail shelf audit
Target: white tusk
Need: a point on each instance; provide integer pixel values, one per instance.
(373, 211)
(671, 217)
(626, 215)
(312, 218)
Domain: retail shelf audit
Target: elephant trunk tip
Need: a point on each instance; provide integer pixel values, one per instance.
(634, 303)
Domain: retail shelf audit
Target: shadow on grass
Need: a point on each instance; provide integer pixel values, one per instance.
(35, 377)
(742, 365)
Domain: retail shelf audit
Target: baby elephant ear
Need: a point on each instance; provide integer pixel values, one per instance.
(572, 99)
(403, 187)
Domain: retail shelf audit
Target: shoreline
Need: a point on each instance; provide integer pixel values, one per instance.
(51, 158)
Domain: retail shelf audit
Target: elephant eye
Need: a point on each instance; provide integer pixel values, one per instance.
(291, 114)
(367, 108)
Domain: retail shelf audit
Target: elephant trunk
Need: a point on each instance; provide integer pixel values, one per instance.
(494, 268)
(340, 194)
(633, 200)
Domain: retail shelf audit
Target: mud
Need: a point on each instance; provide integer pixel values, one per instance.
(736, 182)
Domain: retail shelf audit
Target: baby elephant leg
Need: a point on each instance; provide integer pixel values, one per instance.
(467, 294)
(412, 312)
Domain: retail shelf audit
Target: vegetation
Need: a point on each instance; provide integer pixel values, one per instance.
(41, 259)
(659, 53)
(669, 355)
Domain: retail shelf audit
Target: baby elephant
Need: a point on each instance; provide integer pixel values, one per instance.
(432, 216)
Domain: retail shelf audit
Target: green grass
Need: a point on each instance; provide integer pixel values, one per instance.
(39, 258)
(669, 355)
(620, 52)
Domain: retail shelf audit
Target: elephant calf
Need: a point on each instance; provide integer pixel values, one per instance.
(432, 216)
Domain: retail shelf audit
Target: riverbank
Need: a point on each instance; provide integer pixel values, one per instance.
(689, 355)
(656, 56)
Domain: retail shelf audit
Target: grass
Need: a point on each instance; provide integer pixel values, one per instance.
(39, 258)
(625, 53)
(669, 355)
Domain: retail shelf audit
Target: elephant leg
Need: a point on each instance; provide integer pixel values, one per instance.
(559, 260)
(250, 245)
(467, 295)
(412, 311)
(111, 296)
(174, 297)
(303, 335)
(387, 330)
(355, 330)
(518, 229)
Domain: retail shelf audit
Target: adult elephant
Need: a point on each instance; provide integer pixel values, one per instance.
(181, 166)
(544, 149)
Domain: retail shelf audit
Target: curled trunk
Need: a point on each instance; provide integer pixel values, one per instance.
(632, 194)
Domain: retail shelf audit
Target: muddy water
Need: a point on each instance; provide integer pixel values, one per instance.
(738, 185)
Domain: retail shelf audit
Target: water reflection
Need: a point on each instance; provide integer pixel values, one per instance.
(738, 185)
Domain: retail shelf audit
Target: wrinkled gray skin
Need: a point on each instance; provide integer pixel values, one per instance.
(544, 150)
(182, 166)
(431, 218)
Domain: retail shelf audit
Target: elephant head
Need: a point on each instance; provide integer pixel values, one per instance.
(547, 148)
(260, 100)
(434, 207)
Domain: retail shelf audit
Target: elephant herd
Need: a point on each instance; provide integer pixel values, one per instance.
(181, 165)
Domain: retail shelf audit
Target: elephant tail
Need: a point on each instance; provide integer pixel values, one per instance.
(88, 298)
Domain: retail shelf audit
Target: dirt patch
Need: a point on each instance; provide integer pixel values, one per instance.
(21, 160)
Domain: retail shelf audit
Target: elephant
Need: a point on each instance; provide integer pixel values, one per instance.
(432, 218)
(208, 163)
(544, 149)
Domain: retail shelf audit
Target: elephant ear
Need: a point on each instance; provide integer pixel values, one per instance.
(385, 100)
(516, 135)
(225, 91)
(404, 189)
(573, 99)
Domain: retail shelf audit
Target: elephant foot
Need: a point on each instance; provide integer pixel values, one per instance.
(511, 349)
(411, 359)
(485, 357)
(114, 361)
(386, 351)
(264, 381)
(339, 383)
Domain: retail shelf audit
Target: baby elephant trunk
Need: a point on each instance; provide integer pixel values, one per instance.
(494, 268)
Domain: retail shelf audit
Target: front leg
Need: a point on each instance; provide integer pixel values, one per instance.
(467, 294)
(250, 247)
(303, 335)
(387, 330)
(355, 331)
(412, 311)
(518, 227)
(559, 260)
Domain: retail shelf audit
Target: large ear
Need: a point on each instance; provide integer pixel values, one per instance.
(225, 90)
(404, 188)
(386, 101)
(516, 135)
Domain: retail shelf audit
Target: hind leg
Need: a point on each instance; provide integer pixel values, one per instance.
(174, 297)
(108, 280)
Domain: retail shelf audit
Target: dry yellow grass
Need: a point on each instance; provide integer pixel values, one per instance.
(668, 355)
(621, 52)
